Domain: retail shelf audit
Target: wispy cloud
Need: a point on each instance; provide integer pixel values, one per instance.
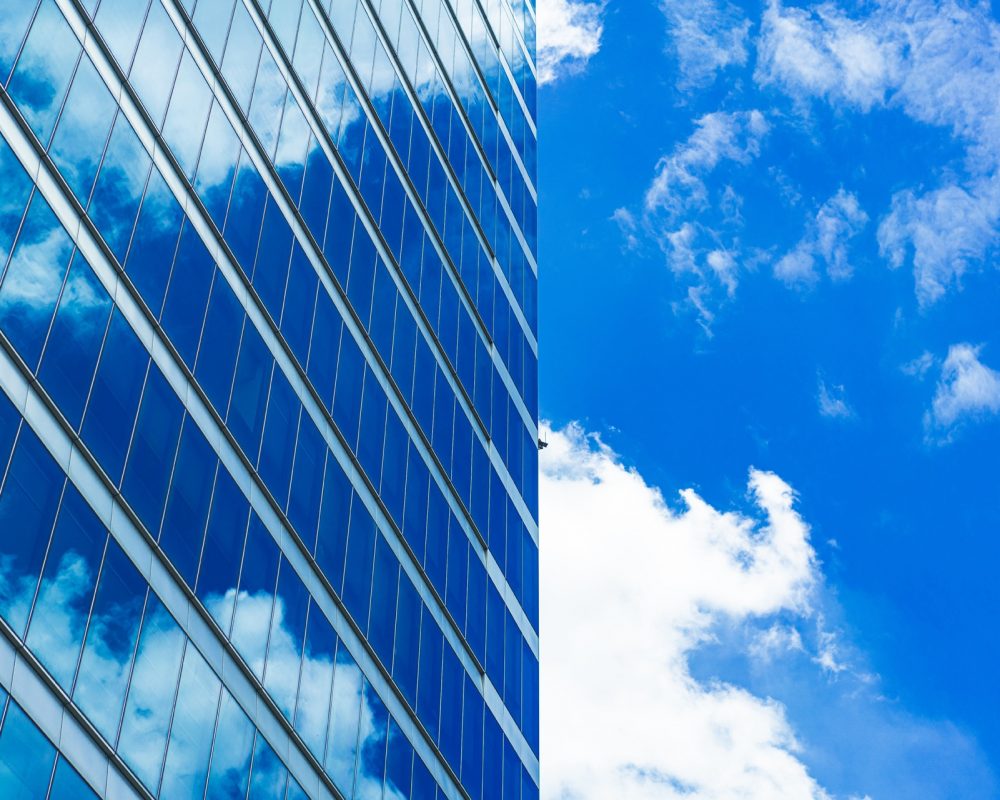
(569, 35)
(706, 36)
(942, 231)
(637, 596)
(679, 209)
(677, 185)
(832, 401)
(838, 220)
(966, 391)
(939, 64)
(822, 52)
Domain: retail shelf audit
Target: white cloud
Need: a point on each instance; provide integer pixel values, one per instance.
(677, 186)
(637, 595)
(678, 203)
(966, 390)
(569, 35)
(838, 220)
(832, 401)
(919, 366)
(938, 63)
(822, 52)
(631, 588)
(706, 37)
(944, 231)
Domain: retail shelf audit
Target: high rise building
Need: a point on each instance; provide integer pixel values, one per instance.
(268, 415)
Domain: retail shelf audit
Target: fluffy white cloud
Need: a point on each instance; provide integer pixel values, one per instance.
(706, 37)
(569, 34)
(838, 220)
(967, 389)
(637, 598)
(939, 63)
(630, 588)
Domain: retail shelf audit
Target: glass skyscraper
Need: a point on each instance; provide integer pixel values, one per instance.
(268, 399)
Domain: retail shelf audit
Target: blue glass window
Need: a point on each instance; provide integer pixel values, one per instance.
(119, 188)
(111, 638)
(186, 768)
(114, 399)
(151, 456)
(34, 277)
(313, 707)
(83, 126)
(28, 505)
(44, 70)
(59, 618)
(187, 296)
(220, 344)
(230, 766)
(26, 757)
(383, 613)
(187, 507)
(220, 561)
(360, 557)
(254, 602)
(154, 243)
(246, 407)
(68, 785)
(148, 708)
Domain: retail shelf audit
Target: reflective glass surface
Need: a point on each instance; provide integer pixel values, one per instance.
(268, 430)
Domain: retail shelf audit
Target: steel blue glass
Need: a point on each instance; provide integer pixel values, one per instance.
(268, 399)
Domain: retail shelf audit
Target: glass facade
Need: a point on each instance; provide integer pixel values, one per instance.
(268, 399)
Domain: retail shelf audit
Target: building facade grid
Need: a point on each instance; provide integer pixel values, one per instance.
(267, 432)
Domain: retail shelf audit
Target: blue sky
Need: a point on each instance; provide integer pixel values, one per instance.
(768, 241)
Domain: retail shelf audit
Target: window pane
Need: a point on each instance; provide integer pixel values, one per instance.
(114, 401)
(221, 556)
(14, 18)
(68, 785)
(252, 619)
(44, 70)
(107, 654)
(186, 768)
(151, 693)
(231, 753)
(187, 508)
(115, 203)
(156, 59)
(34, 277)
(284, 652)
(25, 757)
(83, 128)
(269, 776)
(59, 619)
(345, 717)
(187, 296)
(311, 715)
(154, 243)
(28, 505)
(74, 344)
(151, 455)
(119, 22)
